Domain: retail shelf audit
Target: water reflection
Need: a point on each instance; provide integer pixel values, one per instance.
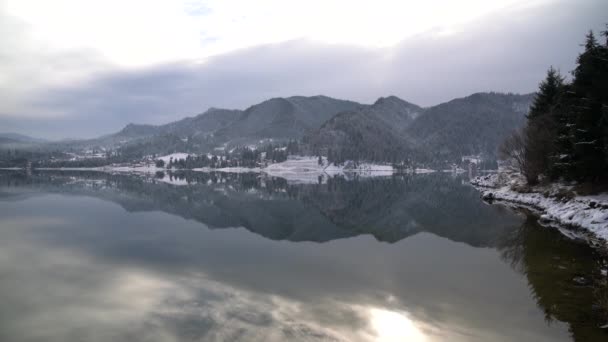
(394, 326)
(566, 278)
(77, 266)
(390, 209)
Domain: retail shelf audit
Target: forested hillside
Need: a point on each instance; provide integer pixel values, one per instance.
(394, 130)
(566, 133)
(476, 124)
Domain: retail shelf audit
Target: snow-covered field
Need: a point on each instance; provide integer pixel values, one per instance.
(299, 164)
(586, 212)
(307, 169)
(228, 169)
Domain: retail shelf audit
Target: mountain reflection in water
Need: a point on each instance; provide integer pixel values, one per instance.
(389, 208)
(98, 257)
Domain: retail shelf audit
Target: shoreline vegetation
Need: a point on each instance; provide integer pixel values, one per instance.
(557, 205)
(292, 166)
(558, 162)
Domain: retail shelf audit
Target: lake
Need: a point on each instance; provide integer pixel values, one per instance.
(91, 256)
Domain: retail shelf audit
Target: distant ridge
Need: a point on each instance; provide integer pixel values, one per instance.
(273, 119)
(16, 137)
(395, 129)
(390, 129)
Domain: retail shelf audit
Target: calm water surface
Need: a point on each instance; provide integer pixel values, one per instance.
(223, 257)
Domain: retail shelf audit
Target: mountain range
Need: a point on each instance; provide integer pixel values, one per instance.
(388, 129)
(18, 138)
(374, 132)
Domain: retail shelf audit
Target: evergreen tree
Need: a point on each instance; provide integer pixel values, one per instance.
(566, 135)
(548, 94)
(540, 132)
(589, 161)
(564, 116)
(603, 91)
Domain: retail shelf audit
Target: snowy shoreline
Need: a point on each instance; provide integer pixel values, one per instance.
(296, 168)
(557, 204)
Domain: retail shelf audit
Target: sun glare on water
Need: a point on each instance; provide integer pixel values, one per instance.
(394, 326)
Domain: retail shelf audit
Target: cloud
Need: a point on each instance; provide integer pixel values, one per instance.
(161, 94)
(28, 66)
(508, 50)
(140, 32)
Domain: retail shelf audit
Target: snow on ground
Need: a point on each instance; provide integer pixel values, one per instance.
(370, 167)
(424, 171)
(454, 169)
(297, 169)
(371, 170)
(307, 169)
(101, 168)
(297, 164)
(487, 181)
(228, 169)
(150, 168)
(175, 156)
(301, 170)
(140, 168)
(587, 212)
(88, 154)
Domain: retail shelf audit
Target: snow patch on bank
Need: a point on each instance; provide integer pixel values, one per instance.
(228, 169)
(150, 168)
(135, 168)
(296, 164)
(586, 212)
(307, 169)
(424, 171)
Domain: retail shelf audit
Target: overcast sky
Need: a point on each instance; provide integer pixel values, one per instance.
(81, 68)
